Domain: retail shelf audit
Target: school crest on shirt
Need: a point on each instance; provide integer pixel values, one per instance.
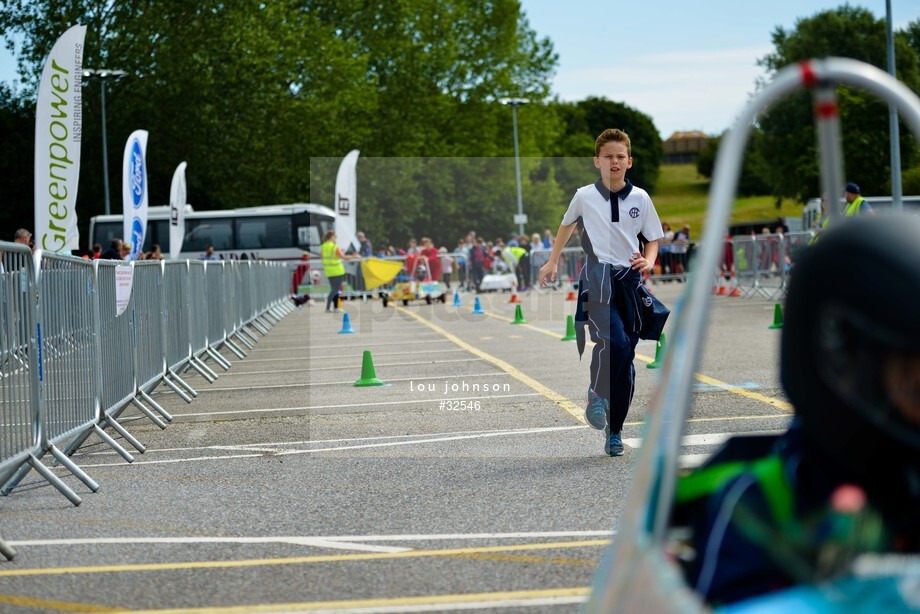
(634, 212)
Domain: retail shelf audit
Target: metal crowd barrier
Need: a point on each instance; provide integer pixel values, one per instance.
(66, 370)
(759, 265)
(72, 358)
(19, 416)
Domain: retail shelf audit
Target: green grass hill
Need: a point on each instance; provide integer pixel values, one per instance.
(681, 197)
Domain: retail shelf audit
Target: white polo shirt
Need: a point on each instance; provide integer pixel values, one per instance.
(613, 235)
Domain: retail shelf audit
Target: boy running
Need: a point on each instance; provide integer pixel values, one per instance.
(614, 212)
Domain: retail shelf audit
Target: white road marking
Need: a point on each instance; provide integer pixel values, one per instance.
(345, 542)
(318, 542)
(339, 356)
(704, 439)
(689, 461)
(432, 440)
(340, 448)
(356, 366)
(406, 402)
(523, 602)
(356, 345)
(351, 381)
(273, 445)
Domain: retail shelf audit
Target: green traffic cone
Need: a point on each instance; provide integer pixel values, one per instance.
(777, 317)
(368, 374)
(518, 315)
(659, 354)
(569, 329)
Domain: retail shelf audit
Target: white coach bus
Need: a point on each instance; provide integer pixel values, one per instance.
(811, 213)
(274, 232)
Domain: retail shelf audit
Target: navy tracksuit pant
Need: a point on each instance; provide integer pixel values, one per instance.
(613, 375)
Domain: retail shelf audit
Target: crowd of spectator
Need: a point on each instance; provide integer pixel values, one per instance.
(470, 260)
(121, 250)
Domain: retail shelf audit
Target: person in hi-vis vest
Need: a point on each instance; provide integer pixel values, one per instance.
(334, 269)
(856, 204)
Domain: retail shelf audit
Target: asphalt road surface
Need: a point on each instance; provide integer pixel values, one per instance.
(469, 481)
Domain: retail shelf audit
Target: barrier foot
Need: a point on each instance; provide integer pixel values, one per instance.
(216, 357)
(7, 550)
(73, 468)
(12, 479)
(271, 317)
(249, 333)
(176, 389)
(202, 369)
(249, 343)
(182, 383)
(283, 307)
(256, 324)
(153, 417)
(112, 443)
(74, 444)
(34, 463)
(156, 406)
(118, 428)
(234, 348)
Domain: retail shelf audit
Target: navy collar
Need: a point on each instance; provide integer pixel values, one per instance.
(605, 192)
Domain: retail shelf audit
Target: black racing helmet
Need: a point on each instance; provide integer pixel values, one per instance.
(853, 303)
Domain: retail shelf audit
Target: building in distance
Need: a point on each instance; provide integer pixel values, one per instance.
(684, 147)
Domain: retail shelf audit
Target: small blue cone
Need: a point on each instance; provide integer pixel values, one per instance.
(456, 299)
(346, 326)
(476, 308)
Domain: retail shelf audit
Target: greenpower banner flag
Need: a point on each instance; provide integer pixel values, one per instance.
(58, 129)
(177, 198)
(134, 191)
(346, 190)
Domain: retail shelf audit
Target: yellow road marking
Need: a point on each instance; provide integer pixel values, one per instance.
(50, 604)
(522, 558)
(777, 403)
(385, 602)
(573, 409)
(320, 558)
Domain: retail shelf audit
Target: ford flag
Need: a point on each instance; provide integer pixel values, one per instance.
(134, 191)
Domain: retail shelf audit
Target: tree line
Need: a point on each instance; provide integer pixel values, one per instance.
(263, 100)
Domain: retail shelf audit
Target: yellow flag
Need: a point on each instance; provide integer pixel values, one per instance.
(378, 272)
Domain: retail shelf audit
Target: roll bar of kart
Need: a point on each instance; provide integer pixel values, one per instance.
(645, 518)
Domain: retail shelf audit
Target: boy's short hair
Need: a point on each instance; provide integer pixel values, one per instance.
(615, 135)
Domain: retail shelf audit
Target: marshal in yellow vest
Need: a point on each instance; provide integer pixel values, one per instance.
(332, 264)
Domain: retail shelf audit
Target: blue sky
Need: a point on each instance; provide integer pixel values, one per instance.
(689, 65)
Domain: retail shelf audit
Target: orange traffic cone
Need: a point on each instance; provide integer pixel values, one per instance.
(514, 298)
(723, 288)
(570, 296)
(735, 290)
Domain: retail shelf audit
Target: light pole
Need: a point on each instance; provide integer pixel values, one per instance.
(103, 75)
(514, 103)
(893, 130)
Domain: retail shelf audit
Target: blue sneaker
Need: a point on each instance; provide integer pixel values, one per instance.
(614, 445)
(596, 410)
